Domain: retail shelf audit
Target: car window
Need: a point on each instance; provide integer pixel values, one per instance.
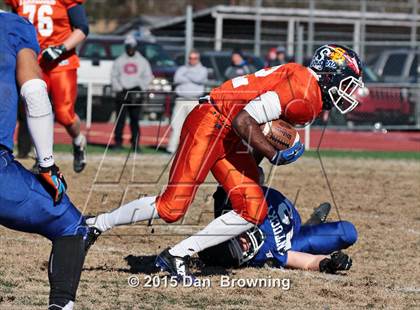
(93, 49)
(257, 62)
(180, 60)
(222, 62)
(394, 65)
(156, 55)
(116, 49)
(414, 66)
(369, 75)
(206, 61)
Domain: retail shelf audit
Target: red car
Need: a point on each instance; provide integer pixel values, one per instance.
(382, 102)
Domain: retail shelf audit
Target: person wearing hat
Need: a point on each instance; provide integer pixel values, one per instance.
(239, 66)
(276, 57)
(130, 76)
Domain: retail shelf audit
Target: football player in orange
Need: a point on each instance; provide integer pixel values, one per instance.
(211, 140)
(61, 25)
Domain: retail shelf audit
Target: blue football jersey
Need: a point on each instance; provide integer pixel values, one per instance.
(281, 222)
(16, 33)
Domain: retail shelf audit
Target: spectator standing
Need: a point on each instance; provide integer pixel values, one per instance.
(276, 57)
(190, 81)
(281, 55)
(239, 66)
(130, 77)
(271, 59)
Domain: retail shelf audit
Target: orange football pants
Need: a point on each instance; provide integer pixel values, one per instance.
(62, 87)
(208, 143)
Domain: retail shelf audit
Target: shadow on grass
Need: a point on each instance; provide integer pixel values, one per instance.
(145, 264)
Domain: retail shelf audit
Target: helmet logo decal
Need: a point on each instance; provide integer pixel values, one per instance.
(338, 55)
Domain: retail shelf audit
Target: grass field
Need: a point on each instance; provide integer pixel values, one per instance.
(378, 192)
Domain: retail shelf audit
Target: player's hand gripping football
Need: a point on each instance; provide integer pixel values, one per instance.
(289, 155)
(53, 52)
(338, 261)
(53, 181)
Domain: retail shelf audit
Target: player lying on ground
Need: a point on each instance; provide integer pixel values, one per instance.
(211, 140)
(27, 203)
(282, 241)
(61, 26)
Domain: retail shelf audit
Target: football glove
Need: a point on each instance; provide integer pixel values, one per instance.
(53, 52)
(289, 155)
(53, 181)
(337, 261)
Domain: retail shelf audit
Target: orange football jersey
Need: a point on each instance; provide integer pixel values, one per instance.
(53, 26)
(296, 86)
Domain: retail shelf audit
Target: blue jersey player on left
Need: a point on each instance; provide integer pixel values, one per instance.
(29, 203)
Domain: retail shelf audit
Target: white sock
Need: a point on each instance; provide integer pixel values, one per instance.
(68, 306)
(219, 230)
(138, 210)
(79, 140)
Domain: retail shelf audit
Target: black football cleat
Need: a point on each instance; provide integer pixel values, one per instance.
(175, 265)
(79, 156)
(91, 237)
(320, 214)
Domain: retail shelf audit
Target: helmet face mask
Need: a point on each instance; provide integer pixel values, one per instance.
(340, 76)
(342, 96)
(254, 239)
(236, 251)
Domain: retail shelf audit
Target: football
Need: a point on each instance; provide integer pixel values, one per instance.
(280, 134)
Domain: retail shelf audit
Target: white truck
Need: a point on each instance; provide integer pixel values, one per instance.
(97, 55)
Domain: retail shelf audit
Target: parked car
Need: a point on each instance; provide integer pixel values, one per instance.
(381, 102)
(398, 66)
(97, 55)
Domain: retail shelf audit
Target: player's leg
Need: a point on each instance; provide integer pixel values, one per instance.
(63, 90)
(239, 175)
(26, 206)
(201, 146)
(121, 111)
(324, 238)
(24, 142)
(134, 113)
(183, 107)
(178, 117)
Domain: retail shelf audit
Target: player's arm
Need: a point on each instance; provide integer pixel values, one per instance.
(329, 264)
(249, 130)
(246, 124)
(40, 119)
(78, 21)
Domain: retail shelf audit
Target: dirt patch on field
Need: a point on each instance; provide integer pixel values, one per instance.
(381, 197)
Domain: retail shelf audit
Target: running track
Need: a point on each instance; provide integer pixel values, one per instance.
(153, 135)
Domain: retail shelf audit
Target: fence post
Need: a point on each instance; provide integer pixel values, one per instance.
(257, 29)
(189, 32)
(291, 38)
(299, 59)
(311, 26)
(218, 33)
(89, 106)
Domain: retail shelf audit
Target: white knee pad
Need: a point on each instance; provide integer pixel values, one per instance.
(36, 97)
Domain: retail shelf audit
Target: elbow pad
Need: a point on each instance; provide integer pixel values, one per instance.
(265, 108)
(35, 94)
(78, 19)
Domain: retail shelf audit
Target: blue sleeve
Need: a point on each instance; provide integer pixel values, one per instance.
(281, 259)
(22, 34)
(78, 19)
